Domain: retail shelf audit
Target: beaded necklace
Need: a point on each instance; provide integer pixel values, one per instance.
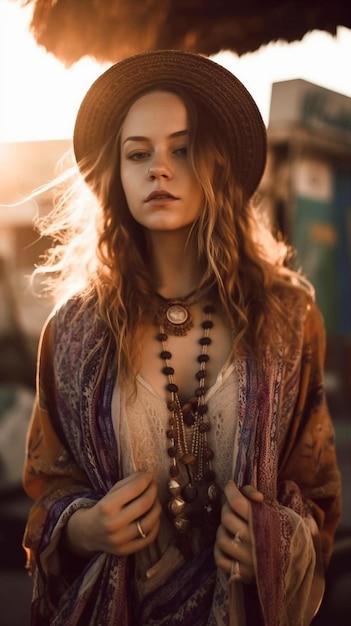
(194, 502)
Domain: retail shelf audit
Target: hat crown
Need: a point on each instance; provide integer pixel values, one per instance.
(202, 79)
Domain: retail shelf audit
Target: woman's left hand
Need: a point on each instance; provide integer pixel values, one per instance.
(233, 551)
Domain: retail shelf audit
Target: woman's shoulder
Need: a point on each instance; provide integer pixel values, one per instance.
(73, 336)
(300, 309)
(77, 309)
(296, 294)
(76, 317)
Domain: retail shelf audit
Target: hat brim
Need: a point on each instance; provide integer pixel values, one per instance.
(219, 90)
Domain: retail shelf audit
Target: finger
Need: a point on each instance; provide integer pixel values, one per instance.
(140, 506)
(253, 494)
(236, 500)
(233, 523)
(150, 519)
(122, 538)
(123, 506)
(230, 552)
(139, 533)
(150, 522)
(232, 543)
(132, 486)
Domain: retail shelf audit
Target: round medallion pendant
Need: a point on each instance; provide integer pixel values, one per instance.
(175, 318)
(177, 314)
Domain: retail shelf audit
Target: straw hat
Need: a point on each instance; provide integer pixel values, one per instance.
(225, 97)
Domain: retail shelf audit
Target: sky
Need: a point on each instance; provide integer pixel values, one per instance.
(40, 96)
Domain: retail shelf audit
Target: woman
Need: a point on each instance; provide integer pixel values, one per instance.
(180, 455)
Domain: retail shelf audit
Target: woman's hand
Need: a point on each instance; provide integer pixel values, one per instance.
(116, 523)
(233, 551)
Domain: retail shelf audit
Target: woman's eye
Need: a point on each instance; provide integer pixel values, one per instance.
(182, 151)
(138, 156)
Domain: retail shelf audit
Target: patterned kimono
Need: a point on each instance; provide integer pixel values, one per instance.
(286, 450)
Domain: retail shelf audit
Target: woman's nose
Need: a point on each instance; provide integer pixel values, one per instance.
(159, 168)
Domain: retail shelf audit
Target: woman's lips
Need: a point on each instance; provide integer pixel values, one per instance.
(160, 194)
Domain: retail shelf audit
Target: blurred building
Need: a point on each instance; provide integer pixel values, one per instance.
(307, 189)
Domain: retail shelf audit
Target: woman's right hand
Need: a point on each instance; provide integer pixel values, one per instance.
(111, 524)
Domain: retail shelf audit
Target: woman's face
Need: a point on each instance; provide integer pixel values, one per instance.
(160, 186)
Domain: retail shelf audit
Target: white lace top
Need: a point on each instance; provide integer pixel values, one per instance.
(140, 424)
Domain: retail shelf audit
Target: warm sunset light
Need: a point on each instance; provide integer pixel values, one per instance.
(40, 96)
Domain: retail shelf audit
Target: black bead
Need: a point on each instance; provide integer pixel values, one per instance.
(200, 391)
(165, 354)
(207, 324)
(200, 375)
(202, 409)
(189, 493)
(172, 387)
(169, 371)
(205, 341)
(172, 451)
(162, 337)
(203, 358)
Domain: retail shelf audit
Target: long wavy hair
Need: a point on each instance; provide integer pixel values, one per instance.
(100, 251)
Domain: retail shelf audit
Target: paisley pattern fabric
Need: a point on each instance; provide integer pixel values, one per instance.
(286, 449)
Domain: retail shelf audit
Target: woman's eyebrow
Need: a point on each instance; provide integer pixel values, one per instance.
(178, 133)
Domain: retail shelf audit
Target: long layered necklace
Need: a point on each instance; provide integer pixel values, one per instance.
(195, 500)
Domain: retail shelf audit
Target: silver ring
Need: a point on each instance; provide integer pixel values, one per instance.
(140, 530)
(237, 537)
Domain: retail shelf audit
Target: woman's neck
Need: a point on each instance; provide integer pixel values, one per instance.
(175, 268)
